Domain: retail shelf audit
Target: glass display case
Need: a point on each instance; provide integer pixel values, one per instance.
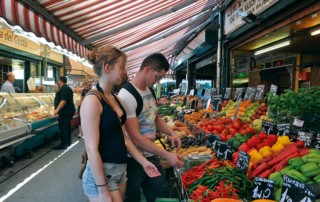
(13, 122)
(36, 106)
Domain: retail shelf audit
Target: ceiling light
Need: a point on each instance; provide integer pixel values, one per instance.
(273, 47)
(250, 18)
(315, 31)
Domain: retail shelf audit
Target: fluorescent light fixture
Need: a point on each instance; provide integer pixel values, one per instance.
(273, 47)
(315, 31)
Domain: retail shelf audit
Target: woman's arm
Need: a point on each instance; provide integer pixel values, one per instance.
(90, 112)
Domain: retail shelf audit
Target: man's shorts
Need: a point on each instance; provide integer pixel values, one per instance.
(116, 174)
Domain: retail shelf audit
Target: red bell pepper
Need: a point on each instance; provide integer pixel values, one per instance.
(262, 135)
(283, 154)
(244, 147)
(270, 141)
(253, 141)
(299, 144)
(261, 144)
(284, 162)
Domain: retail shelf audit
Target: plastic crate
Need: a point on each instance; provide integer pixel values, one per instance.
(167, 200)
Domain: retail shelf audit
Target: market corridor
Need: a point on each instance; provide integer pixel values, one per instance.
(46, 177)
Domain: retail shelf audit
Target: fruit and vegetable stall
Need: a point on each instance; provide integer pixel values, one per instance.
(250, 150)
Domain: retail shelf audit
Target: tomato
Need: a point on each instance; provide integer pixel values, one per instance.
(237, 125)
(250, 130)
(219, 127)
(209, 127)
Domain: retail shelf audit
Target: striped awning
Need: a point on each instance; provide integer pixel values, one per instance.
(137, 27)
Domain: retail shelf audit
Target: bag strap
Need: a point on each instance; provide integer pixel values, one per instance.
(131, 89)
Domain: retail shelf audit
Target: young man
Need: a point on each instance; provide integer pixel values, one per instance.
(7, 86)
(64, 108)
(141, 128)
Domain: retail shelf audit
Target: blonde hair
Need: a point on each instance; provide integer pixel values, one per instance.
(105, 55)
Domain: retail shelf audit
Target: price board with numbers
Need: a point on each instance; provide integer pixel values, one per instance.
(223, 150)
(263, 188)
(216, 102)
(283, 129)
(249, 94)
(238, 94)
(268, 127)
(306, 137)
(259, 92)
(227, 94)
(294, 190)
(243, 161)
(211, 139)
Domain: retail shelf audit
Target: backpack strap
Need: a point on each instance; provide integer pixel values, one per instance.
(131, 89)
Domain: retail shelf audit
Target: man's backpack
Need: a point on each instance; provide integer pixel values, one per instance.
(131, 89)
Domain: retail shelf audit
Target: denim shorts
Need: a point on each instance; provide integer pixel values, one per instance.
(116, 174)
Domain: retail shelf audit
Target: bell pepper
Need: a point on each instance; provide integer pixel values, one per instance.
(309, 167)
(262, 135)
(255, 156)
(270, 141)
(284, 140)
(235, 144)
(296, 162)
(277, 178)
(317, 178)
(244, 147)
(261, 145)
(314, 151)
(297, 175)
(277, 194)
(253, 141)
(312, 157)
(277, 147)
(265, 151)
(286, 169)
(312, 173)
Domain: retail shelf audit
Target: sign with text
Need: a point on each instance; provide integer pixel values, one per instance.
(191, 92)
(249, 94)
(306, 137)
(243, 161)
(283, 129)
(259, 92)
(294, 190)
(211, 139)
(273, 89)
(227, 94)
(268, 127)
(223, 150)
(263, 188)
(216, 102)
(238, 94)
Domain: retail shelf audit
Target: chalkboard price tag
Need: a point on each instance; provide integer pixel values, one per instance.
(223, 150)
(200, 135)
(249, 94)
(238, 94)
(211, 139)
(227, 94)
(283, 129)
(243, 161)
(306, 137)
(263, 188)
(216, 102)
(268, 127)
(259, 92)
(294, 190)
(318, 141)
(273, 89)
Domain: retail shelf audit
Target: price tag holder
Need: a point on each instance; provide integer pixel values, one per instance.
(268, 127)
(249, 93)
(243, 161)
(294, 190)
(227, 94)
(306, 137)
(259, 92)
(263, 188)
(283, 129)
(223, 150)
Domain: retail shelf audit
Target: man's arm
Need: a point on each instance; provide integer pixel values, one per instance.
(132, 127)
(164, 128)
(60, 106)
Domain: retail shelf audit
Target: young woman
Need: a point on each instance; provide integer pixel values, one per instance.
(104, 178)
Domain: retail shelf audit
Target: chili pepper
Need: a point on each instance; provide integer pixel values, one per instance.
(317, 178)
(297, 175)
(261, 168)
(314, 151)
(299, 144)
(309, 167)
(286, 169)
(311, 158)
(283, 154)
(304, 151)
(265, 174)
(284, 162)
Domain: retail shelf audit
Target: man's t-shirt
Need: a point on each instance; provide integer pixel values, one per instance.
(65, 93)
(147, 116)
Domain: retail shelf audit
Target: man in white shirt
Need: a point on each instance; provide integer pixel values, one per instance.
(7, 86)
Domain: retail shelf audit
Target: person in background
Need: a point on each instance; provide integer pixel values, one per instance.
(87, 85)
(142, 128)
(7, 86)
(104, 178)
(64, 108)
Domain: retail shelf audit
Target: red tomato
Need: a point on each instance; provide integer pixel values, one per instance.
(209, 127)
(237, 125)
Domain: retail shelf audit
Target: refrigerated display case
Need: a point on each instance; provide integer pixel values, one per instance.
(14, 127)
(38, 109)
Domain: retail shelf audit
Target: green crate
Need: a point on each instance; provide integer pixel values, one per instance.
(167, 200)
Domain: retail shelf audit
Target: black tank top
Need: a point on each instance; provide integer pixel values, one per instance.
(112, 146)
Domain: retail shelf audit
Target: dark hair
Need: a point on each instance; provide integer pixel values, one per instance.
(105, 55)
(157, 61)
(63, 79)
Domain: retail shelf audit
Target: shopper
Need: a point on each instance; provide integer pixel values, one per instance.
(7, 86)
(141, 126)
(104, 178)
(87, 85)
(64, 108)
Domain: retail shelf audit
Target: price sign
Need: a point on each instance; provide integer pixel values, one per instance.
(306, 137)
(249, 93)
(223, 150)
(268, 127)
(191, 92)
(283, 129)
(273, 89)
(211, 139)
(243, 161)
(298, 122)
(216, 102)
(263, 188)
(238, 94)
(200, 135)
(207, 93)
(294, 190)
(213, 92)
(259, 92)
(318, 141)
(208, 104)
(227, 94)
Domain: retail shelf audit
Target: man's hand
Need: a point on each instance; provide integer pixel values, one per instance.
(175, 140)
(150, 169)
(55, 113)
(175, 160)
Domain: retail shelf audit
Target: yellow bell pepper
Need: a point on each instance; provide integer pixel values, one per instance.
(277, 147)
(255, 156)
(265, 151)
(284, 140)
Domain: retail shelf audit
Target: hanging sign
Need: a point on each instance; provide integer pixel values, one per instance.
(263, 188)
(294, 190)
